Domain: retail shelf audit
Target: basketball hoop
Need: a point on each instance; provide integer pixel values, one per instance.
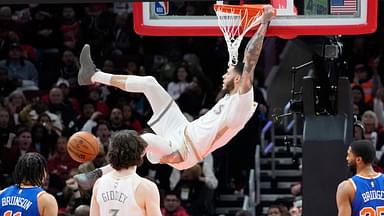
(235, 21)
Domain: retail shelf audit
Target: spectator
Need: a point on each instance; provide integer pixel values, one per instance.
(95, 93)
(358, 99)
(69, 93)
(28, 51)
(371, 124)
(363, 79)
(109, 66)
(207, 177)
(103, 133)
(58, 106)
(7, 85)
(44, 138)
(194, 97)
(16, 102)
(82, 210)
(172, 205)
(6, 130)
(294, 211)
(43, 32)
(37, 112)
(51, 122)
(178, 86)
(132, 67)
(19, 68)
(117, 120)
(60, 165)
(7, 24)
(87, 110)
(193, 62)
(130, 119)
(22, 144)
(125, 40)
(358, 131)
(69, 28)
(193, 192)
(96, 27)
(69, 66)
(277, 210)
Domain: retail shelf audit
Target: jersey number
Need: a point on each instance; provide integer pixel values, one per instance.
(9, 213)
(369, 211)
(114, 211)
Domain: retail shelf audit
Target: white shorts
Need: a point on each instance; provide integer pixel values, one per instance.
(170, 125)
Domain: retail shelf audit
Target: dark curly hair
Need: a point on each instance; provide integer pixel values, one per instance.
(126, 149)
(31, 168)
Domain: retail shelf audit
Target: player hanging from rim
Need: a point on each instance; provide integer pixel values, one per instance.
(178, 142)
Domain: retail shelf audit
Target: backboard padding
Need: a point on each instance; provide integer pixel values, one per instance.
(287, 26)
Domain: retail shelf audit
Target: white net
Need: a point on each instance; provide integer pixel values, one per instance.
(235, 23)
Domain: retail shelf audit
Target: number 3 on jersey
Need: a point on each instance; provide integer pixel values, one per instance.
(9, 213)
(369, 211)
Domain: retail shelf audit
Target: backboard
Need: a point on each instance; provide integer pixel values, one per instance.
(293, 18)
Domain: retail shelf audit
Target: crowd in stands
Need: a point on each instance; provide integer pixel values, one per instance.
(41, 104)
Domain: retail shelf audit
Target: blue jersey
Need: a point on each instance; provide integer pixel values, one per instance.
(369, 196)
(16, 201)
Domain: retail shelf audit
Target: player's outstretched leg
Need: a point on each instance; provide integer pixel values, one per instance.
(157, 96)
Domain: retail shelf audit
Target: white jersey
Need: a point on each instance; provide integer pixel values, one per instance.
(219, 125)
(116, 195)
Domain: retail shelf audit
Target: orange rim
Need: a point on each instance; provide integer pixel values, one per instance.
(253, 9)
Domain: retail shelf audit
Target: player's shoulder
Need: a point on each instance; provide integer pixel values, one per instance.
(345, 183)
(45, 197)
(47, 203)
(5, 189)
(146, 185)
(147, 182)
(346, 186)
(97, 182)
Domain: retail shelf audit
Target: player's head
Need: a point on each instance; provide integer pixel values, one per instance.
(360, 153)
(233, 76)
(31, 169)
(126, 149)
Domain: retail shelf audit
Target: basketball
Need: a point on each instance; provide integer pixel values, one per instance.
(82, 147)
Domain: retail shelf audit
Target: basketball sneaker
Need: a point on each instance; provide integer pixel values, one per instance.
(87, 67)
(87, 180)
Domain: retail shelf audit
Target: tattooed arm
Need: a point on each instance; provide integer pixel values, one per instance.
(252, 51)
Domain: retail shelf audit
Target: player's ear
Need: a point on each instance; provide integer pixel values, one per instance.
(359, 159)
(237, 77)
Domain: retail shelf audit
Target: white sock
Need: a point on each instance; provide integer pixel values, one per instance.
(101, 77)
(106, 169)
